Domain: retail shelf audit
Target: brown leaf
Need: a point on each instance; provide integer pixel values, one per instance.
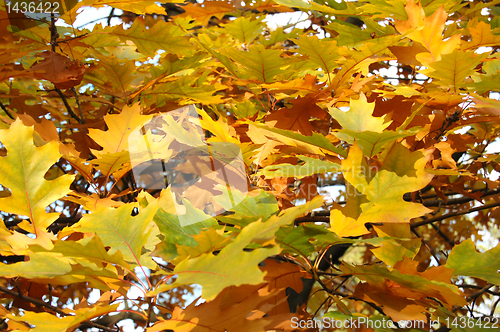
(63, 72)
(297, 118)
(406, 54)
(247, 313)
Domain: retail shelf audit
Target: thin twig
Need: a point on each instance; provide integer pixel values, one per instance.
(70, 111)
(428, 246)
(493, 308)
(6, 111)
(78, 103)
(477, 294)
(110, 16)
(444, 236)
(453, 214)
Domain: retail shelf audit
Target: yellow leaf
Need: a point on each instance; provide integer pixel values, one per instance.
(22, 172)
(120, 126)
(121, 231)
(481, 35)
(378, 197)
(359, 117)
(93, 202)
(428, 31)
(46, 322)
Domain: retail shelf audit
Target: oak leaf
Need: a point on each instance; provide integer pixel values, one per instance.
(58, 69)
(22, 172)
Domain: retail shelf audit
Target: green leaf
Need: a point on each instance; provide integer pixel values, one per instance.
(468, 262)
(370, 142)
(297, 240)
(258, 63)
(40, 265)
(185, 90)
(232, 266)
(251, 208)
(348, 33)
(175, 234)
(316, 140)
(113, 75)
(322, 53)
(162, 35)
(244, 29)
(309, 167)
(119, 230)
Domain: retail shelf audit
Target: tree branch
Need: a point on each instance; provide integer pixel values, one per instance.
(453, 214)
(477, 294)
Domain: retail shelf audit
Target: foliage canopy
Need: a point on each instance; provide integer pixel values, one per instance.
(368, 126)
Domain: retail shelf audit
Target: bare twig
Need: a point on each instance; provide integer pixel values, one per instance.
(428, 246)
(78, 104)
(453, 214)
(6, 111)
(477, 294)
(444, 236)
(70, 111)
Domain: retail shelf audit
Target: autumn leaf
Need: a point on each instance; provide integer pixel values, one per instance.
(466, 261)
(453, 68)
(409, 284)
(323, 54)
(41, 265)
(244, 29)
(214, 274)
(359, 117)
(242, 314)
(401, 171)
(22, 172)
(58, 69)
(115, 140)
(427, 31)
(46, 322)
(114, 227)
(256, 63)
(203, 12)
(212, 271)
(307, 167)
(162, 35)
(362, 135)
(296, 118)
